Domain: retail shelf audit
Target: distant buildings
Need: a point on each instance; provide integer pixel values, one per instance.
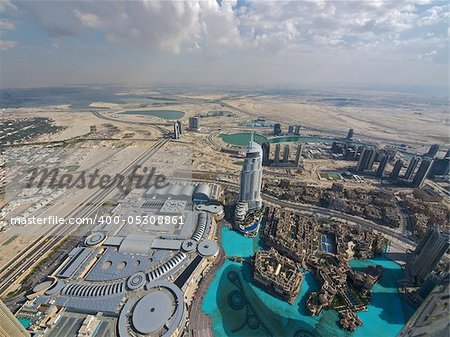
(251, 176)
(350, 134)
(411, 168)
(431, 318)
(9, 325)
(177, 130)
(93, 129)
(422, 172)
(433, 150)
(266, 153)
(441, 167)
(194, 123)
(382, 166)
(290, 129)
(277, 153)
(396, 170)
(277, 129)
(366, 160)
(429, 252)
(298, 155)
(286, 154)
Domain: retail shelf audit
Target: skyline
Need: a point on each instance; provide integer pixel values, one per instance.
(261, 44)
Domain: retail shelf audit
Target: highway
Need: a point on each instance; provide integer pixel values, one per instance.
(44, 244)
(153, 124)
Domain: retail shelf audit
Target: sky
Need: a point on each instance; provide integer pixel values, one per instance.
(232, 43)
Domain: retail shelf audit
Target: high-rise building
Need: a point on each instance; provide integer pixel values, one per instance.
(382, 166)
(277, 153)
(9, 324)
(298, 155)
(350, 134)
(290, 129)
(411, 168)
(194, 124)
(431, 318)
(251, 176)
(266, 153)
(429, 252)
(422, 172)
(440, 167)
(366, 160)
(286, 154)
(447, 154)
(396, 170)
(176, 130)
(433, 150)
(297, 130)
(277, 129)
(180, 129)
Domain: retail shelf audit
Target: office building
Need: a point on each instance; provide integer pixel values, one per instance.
(429, 252)
(382, 166)
(433, 150)
(277, 153)
(431, 318)
(396, 170)
(266, 153)
(9, 325)
(286, 154)
(291, 129)
(296, 130)
(411, 168)
(298, 155)
(366, 160)
(350, 134)
(422, 172)
(176, 130)
(194, 124)
(440, 167)
(277, 129)
(251, 177)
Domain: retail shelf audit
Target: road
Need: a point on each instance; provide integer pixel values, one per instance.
(23, 263)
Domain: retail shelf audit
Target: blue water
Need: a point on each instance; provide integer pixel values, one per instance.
(26, 322)
(256, 313)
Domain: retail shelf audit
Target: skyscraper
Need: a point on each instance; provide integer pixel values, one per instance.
(286, 154)
(382, 166)
(180, 129)
(411, 168)
(298, 155)
(276, 129)
(396, 170)
(297, 130)
(277, 153)
(431, 318)
(251, 176)
(350, 134)
(429, 252)
(9, 325)
(194, 123)
(433, 150)
(290, 129)
(266, 153)
(422, 172)
(176, 130)
(366, 160)
(440, 167)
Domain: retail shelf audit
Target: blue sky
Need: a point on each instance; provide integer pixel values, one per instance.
(240, 43)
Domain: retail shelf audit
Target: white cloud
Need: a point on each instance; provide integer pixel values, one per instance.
(7, 44)
(7, 25)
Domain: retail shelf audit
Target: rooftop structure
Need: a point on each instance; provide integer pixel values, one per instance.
(9, 325)
(279, 274)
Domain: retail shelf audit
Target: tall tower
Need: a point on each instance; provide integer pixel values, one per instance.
(366, 160)
(266, 153)
(9, 325)
(276, 129)
(382, 166)
(350, 134)
(194, 123)
(422, 172)
(277, 153)
(251, 176)
(286, 154)
(298, 155)
(396, 170)
(433, 150)
(429, 252)
(176, 130)
(411, 168)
